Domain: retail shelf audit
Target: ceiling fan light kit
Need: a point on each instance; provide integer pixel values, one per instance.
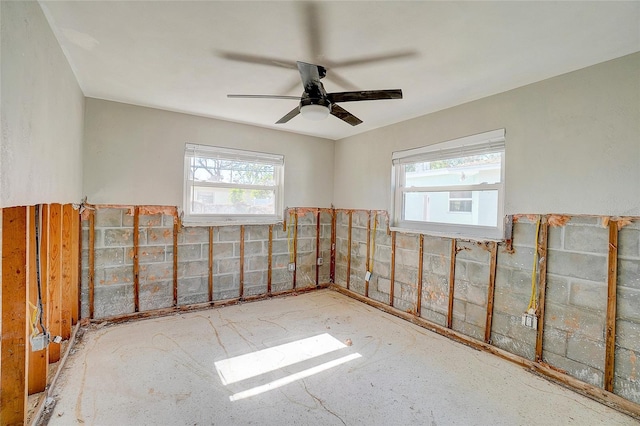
(316, 104)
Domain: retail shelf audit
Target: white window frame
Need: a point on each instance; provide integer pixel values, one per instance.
(193, 151)
(493, 141)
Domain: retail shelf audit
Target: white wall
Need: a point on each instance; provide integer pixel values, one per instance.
(134, 155)
(572, 144)
(42, 113)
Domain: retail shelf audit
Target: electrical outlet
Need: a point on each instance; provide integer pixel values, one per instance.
(39, 342)
(530, 320)
(292, 267)
(320, 261)
(367, 276)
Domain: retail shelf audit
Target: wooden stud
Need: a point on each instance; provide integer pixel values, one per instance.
(491, 291)
(210, 269)
(92, 261)
(332, 271)
(317, 247)
(241, 261)
(452, 280)
(75, 266)
(270, 260)
(541, 283)
(13, 352)
(66, 272)
(55, 279)
(367, 265)
(80, 248)
(610, 336)
(349, 248)
(37, 362)
(136, 259)
(176, 230)
(393, 268)
(295, 247)
(420, 273)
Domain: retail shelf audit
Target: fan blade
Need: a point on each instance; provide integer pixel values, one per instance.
(289, 115)
(340, 81)
(364, 95)
(311, 75)
(297, 98)
(255, 59)
(344, 115)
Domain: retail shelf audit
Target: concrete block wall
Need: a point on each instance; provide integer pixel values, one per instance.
(436, 263)
(193, 265)
(359, 221)
(155, 257)
(380, 284)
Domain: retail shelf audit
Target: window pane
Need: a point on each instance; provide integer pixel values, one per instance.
(469, 170)
(230, 171)
(207, 200)
(480, 209)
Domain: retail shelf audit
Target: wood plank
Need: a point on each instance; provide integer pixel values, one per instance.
(295, 248)
(37, 363)
(612, 281)
(136, 259)
(541, 283)
(55, 279)
(420, 272)
(210, 277)
(92, 261)
(317, 247)
(332, 270)
(66, 272)
(241, 262)
(270, 261)
(76, 272)
(452, 281)
(491, 291)
(349, 230)
(393, 268)
(176, 230)
(13, 390)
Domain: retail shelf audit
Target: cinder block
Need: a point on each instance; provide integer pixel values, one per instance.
(558, 289)
(152, 254)
(226, 266)
(437, 246)
(433, 316)
(514, 346)
(257, 232)
(121, 237)
(156, 272)
(406, 275)
(628, 335)
(189, 252)
(555, 238)
(192, 286)
(588, 294)
(476, 252)
(476, 315)
(168, 220)
(196, 268)
(403, 305)
(156, 236)
(524, 233)
(113, 300)
(156, 295)
(585, 351)
(384, 285)
(629, 273)
(628, 389)
(522, 258)
(628, 302)
(191, 299)
(406, 257)
(510, 303)
(555, 341)
(627, 364)
(254, 290)
(468, 329)
(629, 242)
(579, 371)
(477, 295)
(407, 241)
(306, 231)
(108, 217)
(195, 234)
(222, 250)
(578, 265)
(147, 221)
(108, 256)
(117, 275)
(255, 279)
(575, 320)
(227, 282)
(229, 233)
(436, 264)
(306, 244)
(256, 263)
(382, 269)
(253, 248)
(591, 239)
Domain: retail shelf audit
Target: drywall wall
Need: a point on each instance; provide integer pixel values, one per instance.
(134, 155)
(42, 113)
(572, 144)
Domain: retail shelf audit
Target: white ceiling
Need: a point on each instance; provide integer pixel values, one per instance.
(175, 55)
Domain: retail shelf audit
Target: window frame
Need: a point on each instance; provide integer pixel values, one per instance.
(487, 142)
(193, 151)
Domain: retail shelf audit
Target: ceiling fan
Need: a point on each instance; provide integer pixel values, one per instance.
(317, 104)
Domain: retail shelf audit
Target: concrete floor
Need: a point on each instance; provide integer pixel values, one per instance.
(314, 359)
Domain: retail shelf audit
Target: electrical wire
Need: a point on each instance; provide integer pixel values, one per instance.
(39, 310)
(373, 241)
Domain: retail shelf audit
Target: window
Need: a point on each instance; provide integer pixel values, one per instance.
(224, 185)
(453, 188)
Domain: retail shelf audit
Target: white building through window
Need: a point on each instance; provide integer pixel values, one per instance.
(224, 185)
(453, 188)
